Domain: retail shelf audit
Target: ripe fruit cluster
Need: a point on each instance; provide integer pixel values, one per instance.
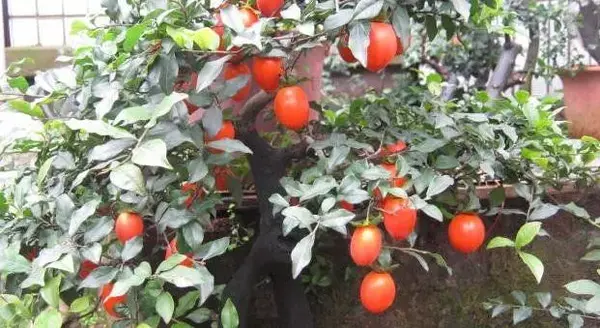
(291, 103)
(466, 234)
(384, 45)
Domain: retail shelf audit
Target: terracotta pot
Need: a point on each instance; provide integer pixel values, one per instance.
(582, 100)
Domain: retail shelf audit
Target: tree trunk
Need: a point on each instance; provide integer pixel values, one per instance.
(504, 68)
(270, 253)
(532, 53)
(590, 13)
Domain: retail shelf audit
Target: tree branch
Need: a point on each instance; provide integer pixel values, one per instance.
(532, 52)
(437, 66)
(504, 68)
(295, 151)
(251, 110)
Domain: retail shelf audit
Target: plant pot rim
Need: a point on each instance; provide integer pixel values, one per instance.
(569, 72)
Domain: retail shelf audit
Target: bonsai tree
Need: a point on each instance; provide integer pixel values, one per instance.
(120, 215)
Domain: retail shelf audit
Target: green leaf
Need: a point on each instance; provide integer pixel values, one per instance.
(367, 9)
(522, 97)
(401, 24)
(167, 69)
(433, 212)
(300, 214)
(543, 211)
(230, 146)
(175, 219)
(51, 292)
(500, 242)
(66, 263)
(592, 256)
(49, 318)
(181, 36)
(82, 214)
(375, 173)
(193, 233)
(302, 254)
(576, 210)
(583, 287)
(527, 233)
(109, 150)
(81, 304)
(170, 262)
(132, 115)
(184, 277)
(200, 315)
(165, 106)
(358, 41)
(438, 185)
(99, 277)
(320, 186)
(43, 171)
(197, 169)
(575, 320)
(463, 7)
(338, 19)
(431, 26)
(26, 108)
(535, 265)
(132, 36)
(277, 199)
(212, 249)
(293, 12)
(101, 228)
(449, 26)
(497, 196)
(593, 304)
(499, 309)
(229, 315)
(18, 82)
(79, 25)
(132, 248)
(206, 39)
(337, 218)
(327, 204)
(544, 299)
(209, 72)
(430, 145)
(337, 157)
(165, 306)
(444, 162)
(521, 313)
(98, 127)
(128, 177)
(151, 153)
(186, 303)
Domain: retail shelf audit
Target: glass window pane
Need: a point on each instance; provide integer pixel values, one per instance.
(102, 21)
(50, 7)
(68, 22)
(51, 32)
(94, 7)
(75, 7)
(23, 32)
(21, 7)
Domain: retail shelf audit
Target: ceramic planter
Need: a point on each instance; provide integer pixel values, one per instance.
(582, 100)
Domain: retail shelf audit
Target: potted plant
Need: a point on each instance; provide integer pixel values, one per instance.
(581, 83)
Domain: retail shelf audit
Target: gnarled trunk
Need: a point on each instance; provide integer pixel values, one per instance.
(270, 253)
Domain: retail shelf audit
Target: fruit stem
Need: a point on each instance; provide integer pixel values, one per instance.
(368, 220)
